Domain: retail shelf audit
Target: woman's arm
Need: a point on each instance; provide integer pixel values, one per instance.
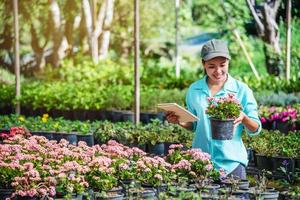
(249, 123)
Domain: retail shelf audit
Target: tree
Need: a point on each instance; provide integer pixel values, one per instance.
(264, 15)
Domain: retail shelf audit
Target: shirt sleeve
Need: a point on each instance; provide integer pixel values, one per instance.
(190, 108)
(250, 109)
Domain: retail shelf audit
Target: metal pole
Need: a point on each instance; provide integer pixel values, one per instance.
(136, 62)
(17, 56)
(177, 58)
(288, 40)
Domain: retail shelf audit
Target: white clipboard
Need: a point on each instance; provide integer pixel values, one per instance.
(183, 114)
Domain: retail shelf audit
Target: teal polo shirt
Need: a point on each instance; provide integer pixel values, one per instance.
(226, 154)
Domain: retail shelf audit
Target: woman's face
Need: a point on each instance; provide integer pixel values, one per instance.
(217, 69)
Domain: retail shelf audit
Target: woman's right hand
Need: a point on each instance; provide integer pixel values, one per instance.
(172, 118)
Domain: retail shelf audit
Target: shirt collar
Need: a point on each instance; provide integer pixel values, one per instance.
(230, 85)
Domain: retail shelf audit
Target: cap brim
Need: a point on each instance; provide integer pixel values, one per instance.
(214, 55)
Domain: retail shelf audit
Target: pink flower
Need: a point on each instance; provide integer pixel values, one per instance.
(175, 146)
(208, 167)
(52, 191)
(28, 166)
(263, 120)
(158, 176)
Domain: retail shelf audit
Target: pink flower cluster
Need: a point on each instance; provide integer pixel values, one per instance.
(15, 131)
(42, 168)
(283, 114)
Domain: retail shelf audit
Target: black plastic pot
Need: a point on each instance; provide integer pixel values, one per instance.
(157, 149)
(27, 198)
(264, 162)
(184, 189)
(268, 125)
(71, 137)
(79, 114)
(60, 196)
(221, 129)
(251, 157)
(243, 184)
(109, 196)
(68, 114)
(167, 146)
(6, 110)
(116, 189)
(145, 117)
(287, 163)
(88, 138)
(46, 134)
(241, 194)
(145, 194)
(212, 188)
(270, 195)
(55, 113)
(284, 127)
(127, 116)
(115, 116)
(5, 193)
(297, 163)
(4, 131)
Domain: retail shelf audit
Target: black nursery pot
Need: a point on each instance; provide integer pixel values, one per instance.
(5, 193)
(46, 134)
(284, 127)
(157, 149)
(287, 163)
(88, 138)
(221, 129)
(70, 137)
(264, 162)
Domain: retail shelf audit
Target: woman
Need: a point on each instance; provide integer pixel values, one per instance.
(229, 155)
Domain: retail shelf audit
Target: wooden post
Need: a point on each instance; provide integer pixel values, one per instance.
(136, 62)
(288, 39)
(237, 35)
(17, 56)
(177, 64)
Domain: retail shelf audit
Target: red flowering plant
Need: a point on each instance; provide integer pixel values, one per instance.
(16, 130)
(224, 108)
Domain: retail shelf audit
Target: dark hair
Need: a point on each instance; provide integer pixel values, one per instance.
(204, 71)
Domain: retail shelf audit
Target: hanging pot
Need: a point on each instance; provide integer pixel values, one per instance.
(221, 129)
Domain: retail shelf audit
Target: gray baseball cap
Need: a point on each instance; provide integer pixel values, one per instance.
(214, 48)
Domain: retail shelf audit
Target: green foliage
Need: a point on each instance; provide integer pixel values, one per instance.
(274, 143)
(224, 108)
(151, 133)
(270, 98)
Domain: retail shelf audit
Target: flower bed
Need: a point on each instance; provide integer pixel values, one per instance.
(37, 167)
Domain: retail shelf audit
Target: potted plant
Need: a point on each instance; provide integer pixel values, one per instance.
(222, 114)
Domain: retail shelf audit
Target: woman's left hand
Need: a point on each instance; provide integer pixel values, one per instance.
(239, 120)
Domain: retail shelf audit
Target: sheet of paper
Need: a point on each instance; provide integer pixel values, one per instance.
(183, 114)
